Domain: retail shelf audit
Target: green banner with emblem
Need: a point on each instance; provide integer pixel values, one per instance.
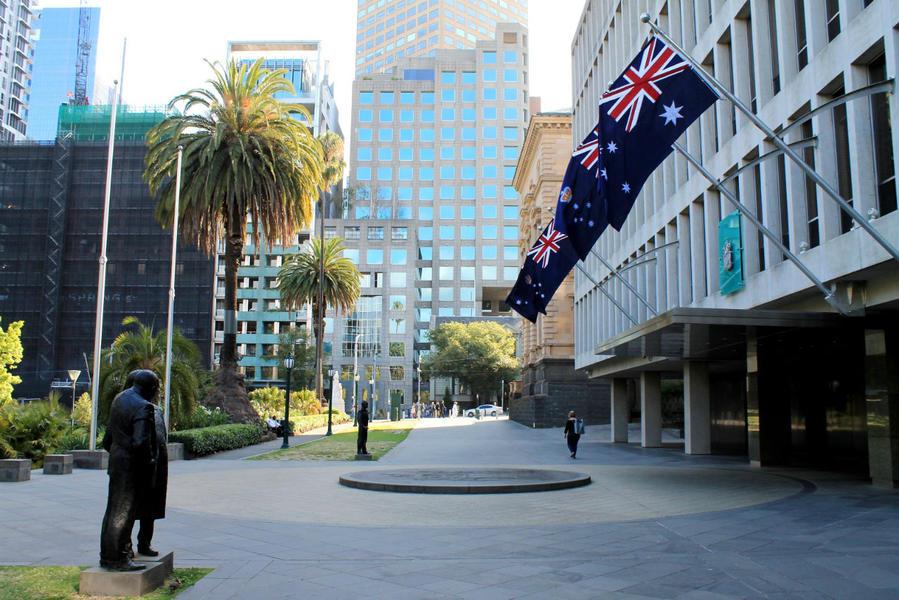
(730, 253)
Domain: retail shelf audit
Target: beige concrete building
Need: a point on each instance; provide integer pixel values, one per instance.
(550, 385)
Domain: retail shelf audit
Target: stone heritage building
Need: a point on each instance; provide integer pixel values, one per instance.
(770, 369)
(550, 385)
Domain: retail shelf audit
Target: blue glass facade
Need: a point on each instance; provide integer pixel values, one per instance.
(55, 58)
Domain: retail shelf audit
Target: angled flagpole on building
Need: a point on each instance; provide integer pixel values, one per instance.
(101, 278)
(608, 295)
(781, 145)
(828, 292)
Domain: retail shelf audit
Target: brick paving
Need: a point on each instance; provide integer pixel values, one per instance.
(653, 524)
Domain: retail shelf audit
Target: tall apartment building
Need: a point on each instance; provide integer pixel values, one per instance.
(433, 216)
(56, 49)
(260, 318)
(388, 30)
(769, 369)
(15, 67)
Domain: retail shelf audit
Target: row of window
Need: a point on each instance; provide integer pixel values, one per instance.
(488, 94)
(447, 192)
(468, 115)
(426, 134)
(446, 153)
(427, 174)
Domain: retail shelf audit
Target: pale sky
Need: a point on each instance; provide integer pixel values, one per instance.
(168, 40)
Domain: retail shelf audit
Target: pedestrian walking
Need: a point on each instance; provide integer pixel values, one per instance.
(574, 427)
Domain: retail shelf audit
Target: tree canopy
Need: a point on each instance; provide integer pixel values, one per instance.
(478, 354)
(10, 357)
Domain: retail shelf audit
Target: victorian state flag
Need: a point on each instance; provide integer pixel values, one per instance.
(646, 109)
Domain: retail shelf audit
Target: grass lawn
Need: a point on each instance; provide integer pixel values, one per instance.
(61, 583)
(382, 437)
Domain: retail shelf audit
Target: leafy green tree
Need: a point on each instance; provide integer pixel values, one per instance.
(32, 429)
(478, 354)
(10, 357)
(299, 280)
(81, 412)
(245, 157)
(334, 165)
(142, 348)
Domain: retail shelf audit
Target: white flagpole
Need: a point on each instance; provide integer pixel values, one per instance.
(781, 145)
(101, 279)
(168, 333)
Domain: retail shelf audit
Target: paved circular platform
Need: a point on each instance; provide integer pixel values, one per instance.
(464, 481)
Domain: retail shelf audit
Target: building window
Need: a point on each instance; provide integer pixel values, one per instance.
(399, 233)
(447, 212)
(397, 256)
(447, 77)
(374, 256)
(448, 95)
(363, 154)
(447, 232)
(352, 233)
(365, 116)
(488, 75)
(884, 170)
(446, 294)
(832, 14)
(426, 233)
(397, 280)
(375, 233)
(801, 36)
(366, 97)
(489, 57)
(446, 252)
(407, 97)
(385, 135)
(365, 134)
(386, 97)
(385, 154)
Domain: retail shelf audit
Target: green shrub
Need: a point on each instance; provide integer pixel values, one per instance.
(32, 430)
(208, 440)
(202, 416)
(81, 412)
(269, 401)
(303, 423)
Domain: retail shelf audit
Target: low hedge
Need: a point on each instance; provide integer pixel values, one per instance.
(208, 440)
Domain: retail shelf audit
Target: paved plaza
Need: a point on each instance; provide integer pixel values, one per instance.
(652, 524)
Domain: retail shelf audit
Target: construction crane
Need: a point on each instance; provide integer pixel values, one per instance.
(82, 59)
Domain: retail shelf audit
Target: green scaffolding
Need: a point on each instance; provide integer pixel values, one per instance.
(91, 123)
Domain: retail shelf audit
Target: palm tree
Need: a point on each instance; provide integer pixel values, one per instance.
(299, 284)
(245, 157)
(142, 348)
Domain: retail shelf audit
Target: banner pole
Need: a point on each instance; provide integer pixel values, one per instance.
(781, 145)
(605, 293)
(168, 333)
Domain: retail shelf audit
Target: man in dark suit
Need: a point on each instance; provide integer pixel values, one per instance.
(131, 442)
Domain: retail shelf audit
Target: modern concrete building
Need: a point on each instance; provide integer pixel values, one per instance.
(550, 385)
(770, 370)
(16, 50)
(260, 318)
(56, 56)
(433, 221)
(388, 30)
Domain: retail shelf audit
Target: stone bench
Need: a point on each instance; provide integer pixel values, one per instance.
(90, 459)
(15, 469)
(58, 464)
(175, 450)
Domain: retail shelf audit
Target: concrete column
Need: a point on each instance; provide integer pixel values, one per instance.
(882, 400)
(651, 409)
(621, 410)
(697, 418)
(754, 446)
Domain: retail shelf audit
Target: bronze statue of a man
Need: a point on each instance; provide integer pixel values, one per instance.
(131, 442)
(152, 502)
(362, 438)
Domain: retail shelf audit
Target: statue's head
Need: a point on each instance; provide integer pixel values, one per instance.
(145, 382)
(365, 404)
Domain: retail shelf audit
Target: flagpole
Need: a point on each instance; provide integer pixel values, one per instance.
(862, 222)
(605, 293)
(828, 292)
(168, 333)
(101, 278)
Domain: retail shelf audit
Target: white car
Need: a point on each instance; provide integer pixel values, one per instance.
(485, 410)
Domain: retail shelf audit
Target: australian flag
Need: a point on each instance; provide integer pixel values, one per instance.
(646, 109)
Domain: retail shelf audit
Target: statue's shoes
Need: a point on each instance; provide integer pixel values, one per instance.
(147, 551)
(125, 565)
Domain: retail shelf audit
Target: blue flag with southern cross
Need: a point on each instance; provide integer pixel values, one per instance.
(646, 109)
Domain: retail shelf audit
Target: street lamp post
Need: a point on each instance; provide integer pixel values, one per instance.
(418, 372)
(374, 406)
(331, 400)
(74, 374)
(355, 376)
(288, 364)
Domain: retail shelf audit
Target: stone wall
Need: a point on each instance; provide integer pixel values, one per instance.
(551, 388)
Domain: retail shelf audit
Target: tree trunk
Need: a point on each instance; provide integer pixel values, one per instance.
(318, 319)
(230, 393)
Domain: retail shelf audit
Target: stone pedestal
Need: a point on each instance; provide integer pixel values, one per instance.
(15, 469)
(90, 459)
(363, 457)
(168, 560)
(98, 581)
(58, 464)
(176, 451)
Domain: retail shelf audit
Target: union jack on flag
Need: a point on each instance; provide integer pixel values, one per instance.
(589, 150)
(657, 62)
(546, 245)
